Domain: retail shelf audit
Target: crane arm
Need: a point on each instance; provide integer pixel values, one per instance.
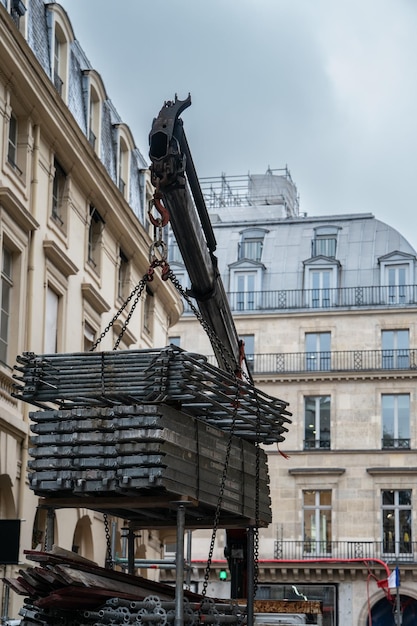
(175, 178)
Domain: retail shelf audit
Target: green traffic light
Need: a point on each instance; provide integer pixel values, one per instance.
(223, 574)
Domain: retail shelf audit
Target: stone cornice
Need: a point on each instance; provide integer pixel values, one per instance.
(58, 257)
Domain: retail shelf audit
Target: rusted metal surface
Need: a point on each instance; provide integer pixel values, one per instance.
(311, 607)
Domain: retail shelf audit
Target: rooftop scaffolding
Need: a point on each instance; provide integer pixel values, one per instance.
(275, 187)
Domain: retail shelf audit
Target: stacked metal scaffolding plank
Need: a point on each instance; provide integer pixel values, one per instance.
(170, 375)
(137, 613)
(146, 450)
(70, 591)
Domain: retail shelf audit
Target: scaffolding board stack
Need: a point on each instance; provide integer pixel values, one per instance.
(140, 434)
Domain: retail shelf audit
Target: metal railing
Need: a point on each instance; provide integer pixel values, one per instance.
(405, 552)
(334, 361)
(343, 297)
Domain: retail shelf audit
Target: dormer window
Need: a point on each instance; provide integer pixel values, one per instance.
(125, 146)
(62, 35)
(95, 95)
(58, 63)
(251, 244)
(324, 242)
(17, 10)
(397, 277)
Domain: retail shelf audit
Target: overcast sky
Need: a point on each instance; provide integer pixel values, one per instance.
(327, 87)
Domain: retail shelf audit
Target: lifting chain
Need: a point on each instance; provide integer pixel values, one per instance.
(158, 246)
(220, 498)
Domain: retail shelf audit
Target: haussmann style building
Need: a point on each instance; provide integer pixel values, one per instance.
(327, 308)
(75, 238)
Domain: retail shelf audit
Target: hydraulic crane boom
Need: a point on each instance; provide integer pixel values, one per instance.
(174, 176)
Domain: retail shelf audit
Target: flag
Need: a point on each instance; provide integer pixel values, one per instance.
(394, 579)
(392, 582)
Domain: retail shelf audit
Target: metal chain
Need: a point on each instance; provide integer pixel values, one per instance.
(109, 559)
(214, 339)
(220, 498)
(139, 287)
(257, 496)
(209, 331)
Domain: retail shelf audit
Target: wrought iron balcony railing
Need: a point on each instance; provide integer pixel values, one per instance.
(401, 551)
(343, 297)
(334, 361)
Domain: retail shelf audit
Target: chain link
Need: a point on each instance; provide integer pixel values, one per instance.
(139, 287)
(220, 498)
(215, 341)
(109, 559)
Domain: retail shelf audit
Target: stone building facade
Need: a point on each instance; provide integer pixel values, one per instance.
(327, 308)
(74, 194)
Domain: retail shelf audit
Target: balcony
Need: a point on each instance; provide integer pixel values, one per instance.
(335, 361)
(400, 552)
(322, 299)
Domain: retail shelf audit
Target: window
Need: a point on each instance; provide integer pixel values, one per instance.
(251, 244)
(174, 254)
(395, 349)
(148, 312)
(17, 11)
(396, 521)
(245, 296)
(89, 337)
(51, 321)
(58, 82)
(317, 524)
(320, 283)
(249, 350)
(123, 166)
(175, 341)
(324, 246)
(93, 118)
(94, 238)
(123, 277)
(12, 143)
(397, 277)
(6, 292)
(318, 355)
(325, 241)
(317, 422)
(397, 281)
(395, 420)
(58, 190)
